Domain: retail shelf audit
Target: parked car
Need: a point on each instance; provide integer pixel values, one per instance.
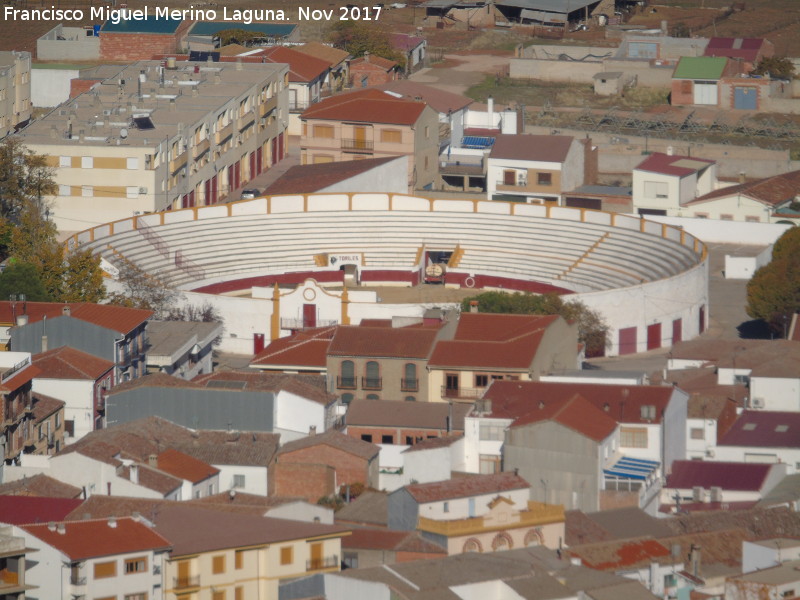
(250, 194)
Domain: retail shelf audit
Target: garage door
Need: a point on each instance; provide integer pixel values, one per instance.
(705, 92)
(745, 98)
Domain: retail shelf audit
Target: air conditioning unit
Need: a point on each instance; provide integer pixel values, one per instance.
(716, 494)
(710, 453)
(142, 190)
(698, 494)
(758, 403)
(522, 179)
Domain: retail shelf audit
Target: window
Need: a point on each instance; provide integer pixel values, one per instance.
(238, 593)
(218, 564)
(87, 162)
(64, 190)
(350, 560)
(135, 565)
(347, 398)
(409, 440)
(544, 178)
(726, 217)
(132, 192)
(633, 437)
(698, 433)
(446, 507)
(481, 381)
(64, 161)
(366, 437)
(741, 379)
(238, 559)
(391, 136)
(410, 399)
(323, 131)
(427, 132)
(139, 596)
(105, 569)
(87, 191)
(132, 164)
(373, 379)
(491, 432)
(409, 383)
(752, 219)
(238, 481)
(218, 595)
(489, 465)
(656, 189)
(387, 439)
(347, 379)
(287, 555)
(373, 397)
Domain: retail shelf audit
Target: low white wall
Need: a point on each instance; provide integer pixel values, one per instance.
(744, 267)
(50, 87)
(712, 231)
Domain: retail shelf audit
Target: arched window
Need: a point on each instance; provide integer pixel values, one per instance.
(410, 383)
(410, 399)
(373, 379)
(347, 379)
(473, 545)
(373, 397)
(347, 398)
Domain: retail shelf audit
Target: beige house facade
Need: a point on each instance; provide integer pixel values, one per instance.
(15, 91)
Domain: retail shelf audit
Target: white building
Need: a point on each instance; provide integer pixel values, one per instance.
(664, 183)
(763, 554)
(181, 348)
(762, 437)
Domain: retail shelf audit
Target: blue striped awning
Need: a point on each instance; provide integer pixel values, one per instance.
(476, 142)
(632, 468)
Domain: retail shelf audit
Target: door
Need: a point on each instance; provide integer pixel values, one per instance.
(654, 336)
(237, 174)
(309, 315)
(231, 179)
(214, 189)
(260, 158)
(183, 573)
(702, 319)
(191, 199)
(207, 192)
(451, 384)
(253, 170)
(627, 340)
(705, 92)
(258, 342)
(745, 98)
(316, 555)
(280, 147)
(677, 331)
(360, 138)
(509, 177)
(185, 201)
(274, 150)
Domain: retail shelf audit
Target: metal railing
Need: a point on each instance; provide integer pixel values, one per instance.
(351, 144)
(462, 392)
(77, 580)
(300, 323)
(371, 383)
(180, 583)
(409, 385)
(328, 562)
(346, 383)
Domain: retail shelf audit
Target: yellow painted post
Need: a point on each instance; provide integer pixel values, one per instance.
(275, 321)
(345, 306)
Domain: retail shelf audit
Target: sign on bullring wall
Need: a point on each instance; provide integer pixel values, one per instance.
(337, 260)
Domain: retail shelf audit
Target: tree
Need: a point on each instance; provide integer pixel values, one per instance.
(773, 293)
(82, 280)
(22, 278)
(360, 37)
(592, 330)
(25, 178)
(777, 67)
(141, 289)
(204, 313)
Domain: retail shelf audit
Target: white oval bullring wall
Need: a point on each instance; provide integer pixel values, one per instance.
(649, 280)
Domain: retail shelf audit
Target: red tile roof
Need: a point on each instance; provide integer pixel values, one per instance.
(303, 67)
(40, 486)
(687, 474)
(577, 414)
(665, 164)
(116, 318)
(764, 429)
(515, 399)
(492, 341)
(772, 191)
(69, 363)
(22, 377)
(464, 487)
(382, 342)
(305, 179)
(44, 406)
(82, 540)
(366, 106)
(405, 41)
(18, 510)
(613, 556)
(333, 56)
(303, 349)
(542, 148)
(184, 466)
(439, 100)
(743, 48)
(392, 541)
(333, 439)
(382, 63)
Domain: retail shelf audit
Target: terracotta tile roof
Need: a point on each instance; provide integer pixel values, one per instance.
(364, 538)
(718, 547)
(254, 449)
(68, 363)
(514, 399)
(761, 523)
(665, 164)
(400, 342)
(44, 406)
(116, 318)
(764, 429)
(734, 476)
(19, 509)
(579, 529)
(399, 413)
(366, 106)
(22, 378)
(334, 439)
(192, 530)
(540, 148)
(82, 540)
(303, 67)
(333, 56)
(498, 341)
(306, 179)
(369, 508)
(577, 414)
(464, 487)
(439, 100)
(405, 41)
(621, 555)
(772, 191)
(232, 50)
(39, 485)
(153, 479)
(381, 63)
(186, 467)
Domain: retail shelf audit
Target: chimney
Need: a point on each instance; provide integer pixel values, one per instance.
(473, 306)
(112, 522)
(312, 430)
(22, 320)
(134, 474)
(172, 105)
(61, 528)
(742, 177)
(694, 560)
(238, 64)
(66, 310)
(366, 57)
(51, 526)
(152, 461)
(44, 343)
(490, 112)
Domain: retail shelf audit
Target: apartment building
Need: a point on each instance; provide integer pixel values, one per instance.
(158, 136)
(15, 91)
(370, 123)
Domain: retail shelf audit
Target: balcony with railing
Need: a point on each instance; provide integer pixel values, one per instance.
(245, 121)
(462, 392)
(318, 564)
(461, 165)
(224, 134)
(177, 163)
(409, 385)
(371, 383)
(77, 580)
(200, 148)
(358, 145)
(8, 578)
(346, 383)
(298, 323)
(300, 105)
(183, 583)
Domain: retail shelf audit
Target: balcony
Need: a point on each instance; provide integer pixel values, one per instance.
(470, 393)
(298, 324)
(300, 105)
(409, 385)
(182, 583)
(317, 564)
(8, 578)
(177, 163)
(201, 148)
(346, 383)
(77, 580)
(371, 383)
(245, 121)
(268, 105)
(224, 134)
(461, 166)
(358, 145)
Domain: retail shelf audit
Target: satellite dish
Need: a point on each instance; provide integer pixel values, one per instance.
(123, 133)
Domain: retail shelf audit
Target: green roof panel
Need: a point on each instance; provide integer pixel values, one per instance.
(268, 29)
(700, 67)
(149, 25)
